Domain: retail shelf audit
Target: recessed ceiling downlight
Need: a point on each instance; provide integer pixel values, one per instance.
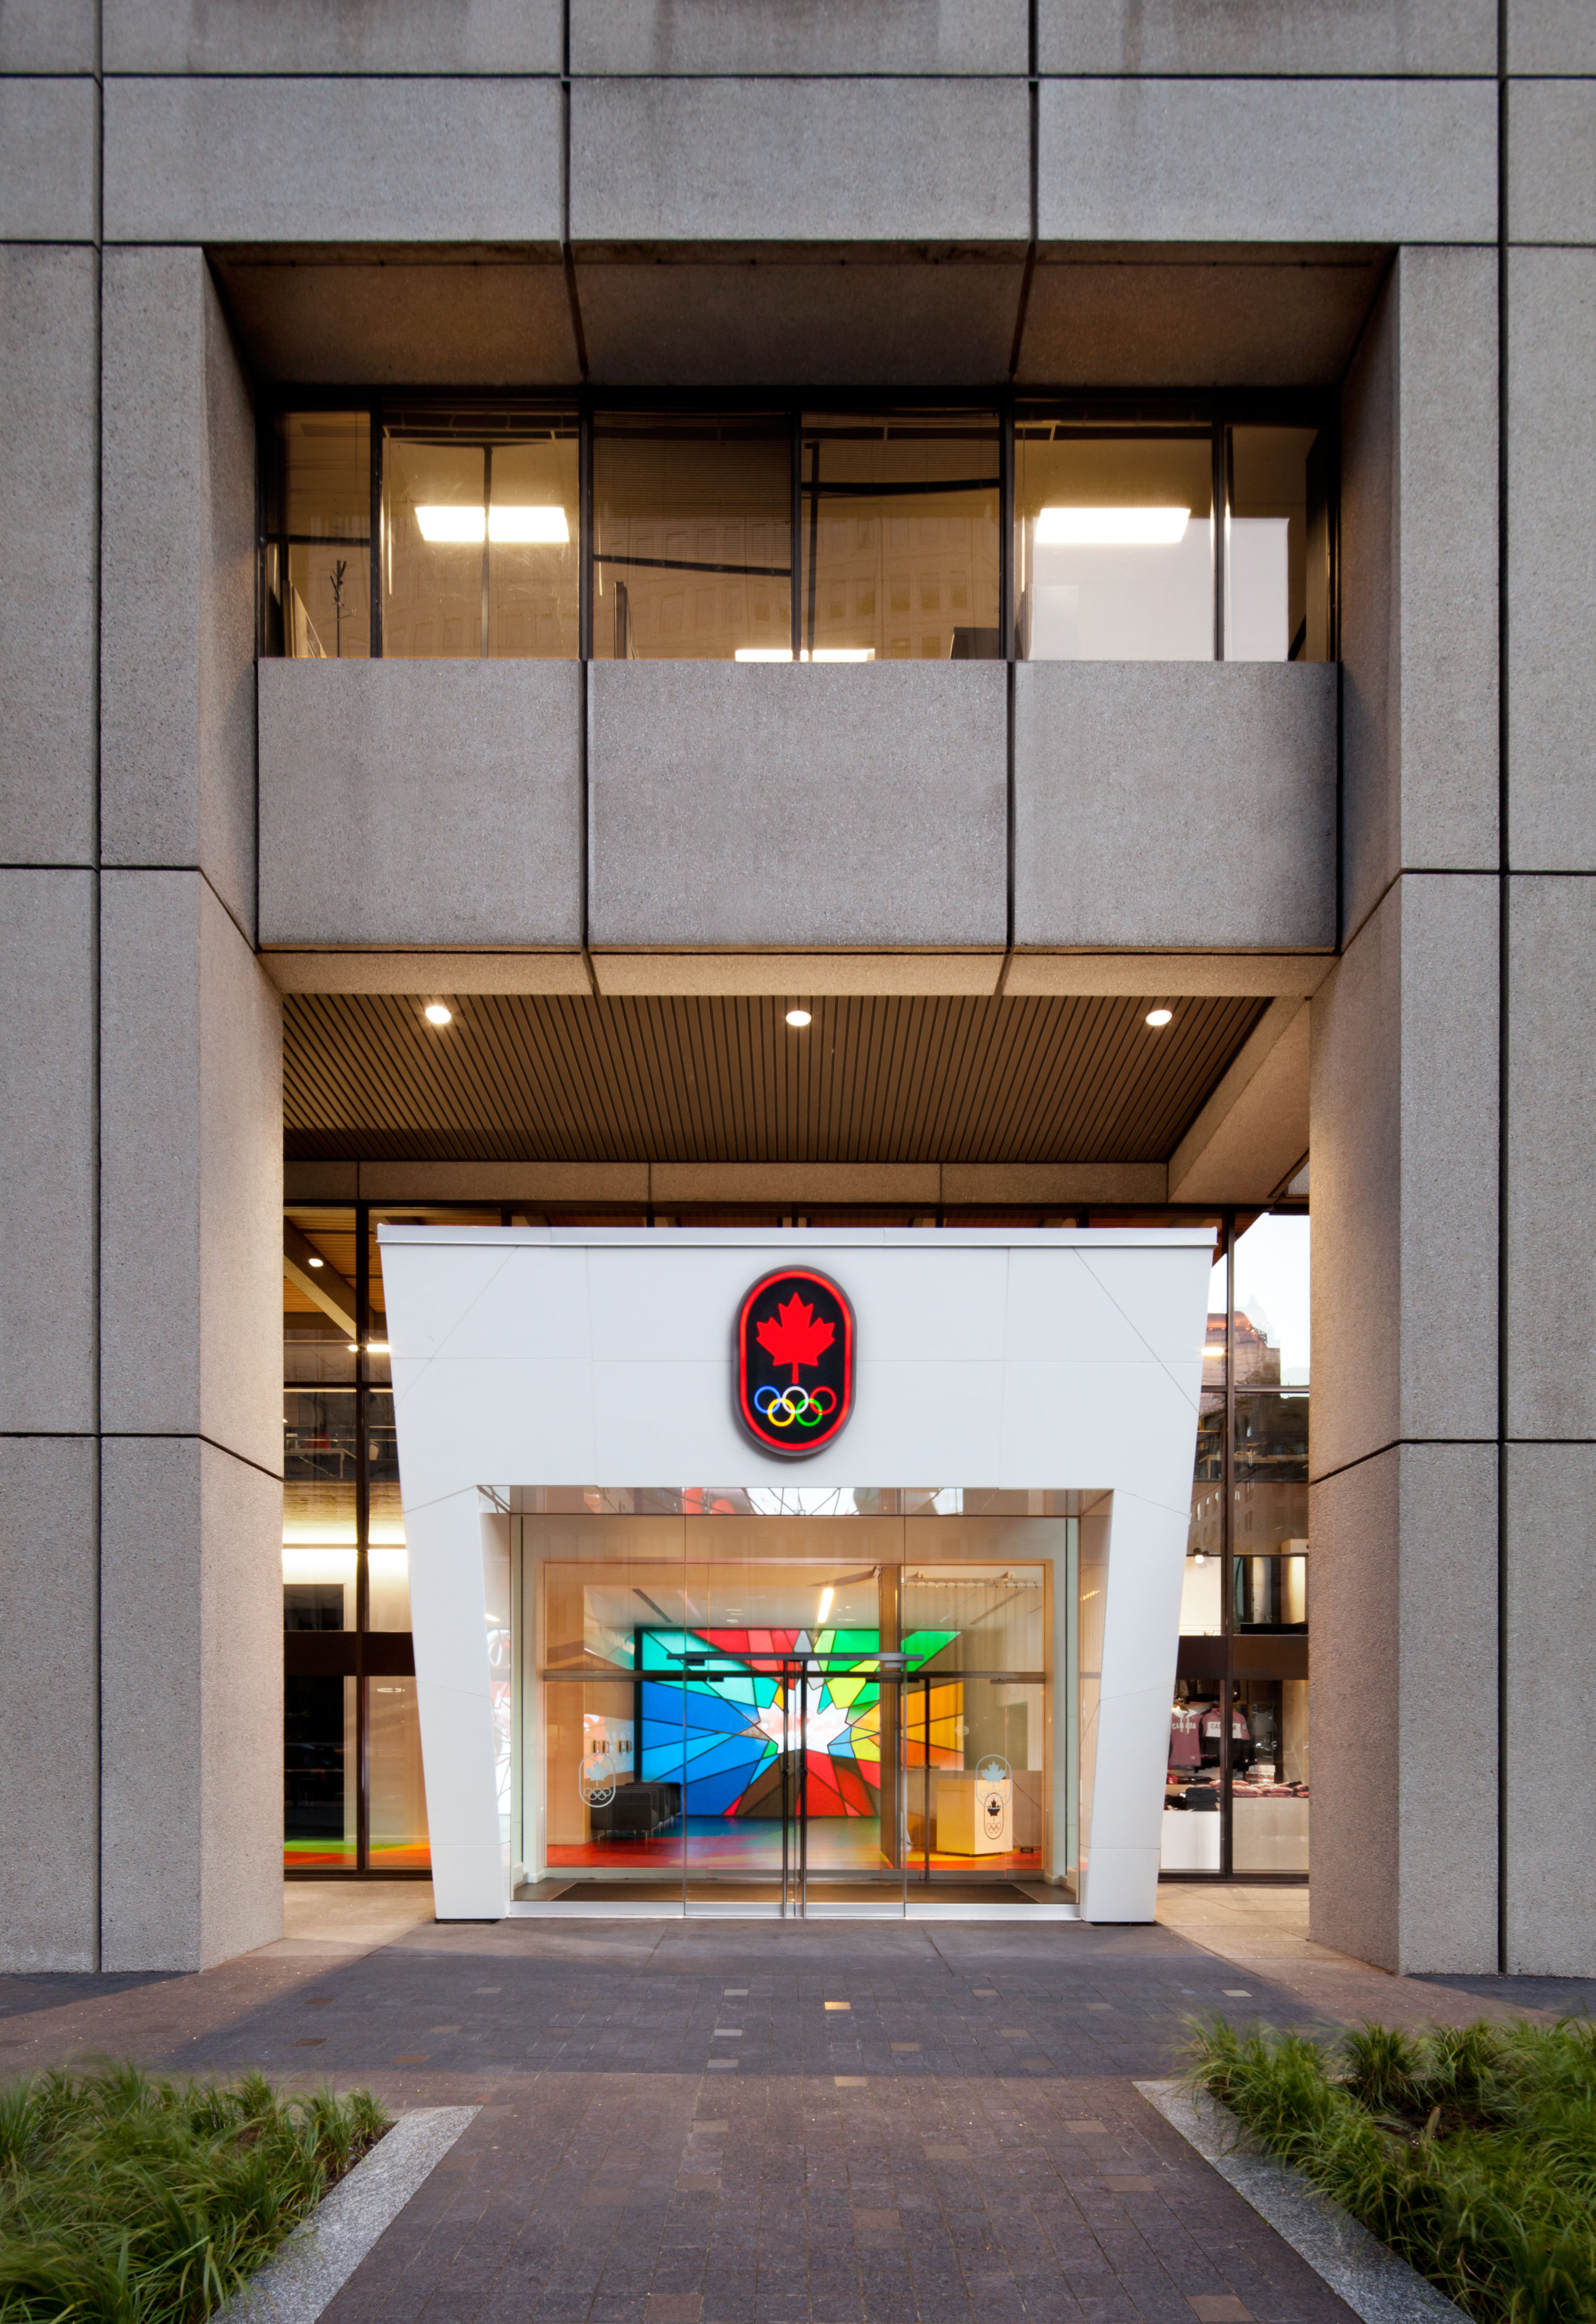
(800, 1017)
(1159, 1016)
(437, 1014)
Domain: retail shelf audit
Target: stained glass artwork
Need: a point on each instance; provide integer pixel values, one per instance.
(719, 1728)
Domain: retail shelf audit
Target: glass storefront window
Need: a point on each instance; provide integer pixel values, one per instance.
(1238, 1737)
(319, 1761)
(398, 1808)
(480, 535)
(692, 550)
(1270, 1777)
(1278, 546)
(317, 592)
(1113, 542)
(901, 540)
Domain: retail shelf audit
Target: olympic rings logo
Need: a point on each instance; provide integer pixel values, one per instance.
(794, 1408)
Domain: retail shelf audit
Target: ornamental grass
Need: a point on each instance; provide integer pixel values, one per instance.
(1470, 2152)
(128, 2200)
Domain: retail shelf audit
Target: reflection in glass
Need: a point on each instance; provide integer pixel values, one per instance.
(317, 528)
(1269, 1776)
(318, 1785)
(1277, 547)
(1272, 1301)
(692, 516)
(398, 1790)
(901, 537)
(480, 536)
(1113, 542)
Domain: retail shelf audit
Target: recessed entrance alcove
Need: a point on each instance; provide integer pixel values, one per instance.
(926, 1671)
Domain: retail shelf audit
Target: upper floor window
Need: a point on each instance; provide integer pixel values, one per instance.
(485, 529)
(1178, 540)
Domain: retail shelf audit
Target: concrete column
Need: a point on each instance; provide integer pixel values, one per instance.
(1549, 1681)
(191, 1144)
(1404, 1130)
(49, 1406)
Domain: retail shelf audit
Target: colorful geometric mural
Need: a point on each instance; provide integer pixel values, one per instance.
(720, 1729)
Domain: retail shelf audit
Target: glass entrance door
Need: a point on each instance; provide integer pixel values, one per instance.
(731, 1712)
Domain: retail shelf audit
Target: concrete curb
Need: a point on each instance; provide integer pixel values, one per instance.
(301, 2279)
(1374, 2283)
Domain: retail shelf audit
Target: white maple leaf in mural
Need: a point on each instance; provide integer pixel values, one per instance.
(827, 1721)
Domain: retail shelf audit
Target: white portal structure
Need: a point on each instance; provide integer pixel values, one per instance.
(1042, 1360)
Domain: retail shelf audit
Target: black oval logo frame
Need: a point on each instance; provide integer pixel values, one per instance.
(759, 1368)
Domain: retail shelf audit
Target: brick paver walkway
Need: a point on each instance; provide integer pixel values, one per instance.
(741, 2123)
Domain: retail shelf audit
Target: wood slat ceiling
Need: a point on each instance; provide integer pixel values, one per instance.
(552, 1078)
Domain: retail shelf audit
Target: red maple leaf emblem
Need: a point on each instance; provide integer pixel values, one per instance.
(797, 1339)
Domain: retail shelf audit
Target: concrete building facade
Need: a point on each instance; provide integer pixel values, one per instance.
(1360, 869)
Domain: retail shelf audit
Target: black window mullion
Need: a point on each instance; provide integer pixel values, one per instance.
(796, 527)
(1227, 1537)
(1006, 528)
(363, 1509)
(584, 530)
(1222, 508)
(375, 424)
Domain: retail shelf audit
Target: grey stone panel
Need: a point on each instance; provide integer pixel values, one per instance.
(191, 1705)
(1551, 161)
(357, 36)
(1552, 560)
(809, 36)
(1404, 1697)
(1265, 36)
(49, 395)
(177, 555)
(1326, 160)
(1128, 776)
(1419, 569)
(838, 319)
(48, 1705)
(46, 1141)
(420, 802)
(774, 804)
(1264, 318)
(47, 161)
(1551, 1687)
(489, 320)
(191, 1170)
(47, 36)
(1551, 36)
(917, 161)
(1551, 1165)
(1403, 1125)
(396, 160)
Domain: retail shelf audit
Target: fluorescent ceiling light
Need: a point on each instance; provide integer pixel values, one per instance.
(1100, 528)
(821, 653)
(463, 524)
(546, 524)
(825, 1597)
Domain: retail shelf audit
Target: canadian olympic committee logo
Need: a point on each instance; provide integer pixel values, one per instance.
(595, 1780)
(794, 1361)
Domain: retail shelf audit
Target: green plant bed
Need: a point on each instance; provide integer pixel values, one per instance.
(127, 2200)
(1471, 2152)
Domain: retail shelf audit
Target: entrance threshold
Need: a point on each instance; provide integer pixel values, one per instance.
(642, 1901)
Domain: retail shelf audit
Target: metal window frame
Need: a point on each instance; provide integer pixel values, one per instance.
(1219, 411)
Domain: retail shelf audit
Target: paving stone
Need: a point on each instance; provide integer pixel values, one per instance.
(902, 2158)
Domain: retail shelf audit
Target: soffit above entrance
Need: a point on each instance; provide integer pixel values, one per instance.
(954, 1080)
